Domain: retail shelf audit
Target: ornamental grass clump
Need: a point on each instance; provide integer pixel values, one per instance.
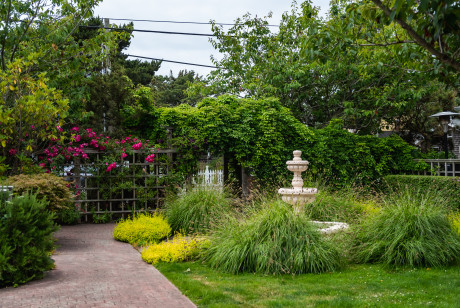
(197, 210)
(273, 240)
(141, 229)
(412, 229)
(179, 249)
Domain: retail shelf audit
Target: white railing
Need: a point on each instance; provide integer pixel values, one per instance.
(209, 177)
(442, 167)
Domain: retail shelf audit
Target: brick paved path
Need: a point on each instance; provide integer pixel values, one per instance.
(94, 270)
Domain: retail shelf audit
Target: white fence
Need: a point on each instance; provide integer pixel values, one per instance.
(442, 167)
(208, 177)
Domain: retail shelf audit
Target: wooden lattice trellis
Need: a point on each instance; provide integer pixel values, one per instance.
(134, 185)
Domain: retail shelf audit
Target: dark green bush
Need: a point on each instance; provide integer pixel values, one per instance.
(412, 229)
(197, 210)
(26, 241)
(448, 187)
(341, 157)
(68, 216)
(272, 241)
(47, 186)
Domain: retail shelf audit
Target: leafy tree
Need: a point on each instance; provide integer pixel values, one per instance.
(140, 72)
(325, 69)
(171, 91)
(432, 24)
(39, 55)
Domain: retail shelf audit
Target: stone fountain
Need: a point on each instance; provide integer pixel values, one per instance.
(298, 195)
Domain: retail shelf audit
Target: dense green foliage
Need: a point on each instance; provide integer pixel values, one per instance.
(46, 186)
(68, 216)
(141, 229)
(197, 210)
(412, 229)
(448, 187)
(272, 241)
(261, 134)
(26, 241)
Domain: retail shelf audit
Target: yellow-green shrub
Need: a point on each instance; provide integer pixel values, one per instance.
(46, 186)
(142, 229)
(369, 208)
(177, 250)
(454, 219)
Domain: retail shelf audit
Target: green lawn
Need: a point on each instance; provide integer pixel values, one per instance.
(356, 286)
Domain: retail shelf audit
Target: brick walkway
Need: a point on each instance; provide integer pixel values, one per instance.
(94, 270)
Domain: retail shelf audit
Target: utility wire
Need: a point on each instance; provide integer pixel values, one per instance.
(171, 61)
(150, 31)
(180, 22)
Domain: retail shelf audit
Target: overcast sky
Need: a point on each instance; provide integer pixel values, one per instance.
(194, 49)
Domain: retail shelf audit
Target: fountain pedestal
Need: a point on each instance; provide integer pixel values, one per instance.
(298, 196)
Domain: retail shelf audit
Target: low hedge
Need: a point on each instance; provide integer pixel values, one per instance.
(142, 228)
(449, 187)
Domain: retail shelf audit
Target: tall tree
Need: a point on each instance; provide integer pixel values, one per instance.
(324, 69)
(41, 68)
(171, 91)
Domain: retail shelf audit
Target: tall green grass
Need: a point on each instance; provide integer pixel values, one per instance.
(412, 229)
(273, 240)
(197, 210)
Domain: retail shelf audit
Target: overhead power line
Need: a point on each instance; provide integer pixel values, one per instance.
(180, 22)
(150, 31)
(171, 61)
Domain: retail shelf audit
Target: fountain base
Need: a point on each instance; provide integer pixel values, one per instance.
(298, 197)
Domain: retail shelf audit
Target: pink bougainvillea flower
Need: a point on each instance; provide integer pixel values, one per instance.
(74, 129)
(59, 128)
(94, 143)
(137, 146)
(13, 151)
(42, 165)
(77, 138)
(111, 166)
(124, 155)
(150, 158)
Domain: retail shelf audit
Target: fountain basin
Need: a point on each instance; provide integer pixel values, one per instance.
(330, 227)
(298, 197)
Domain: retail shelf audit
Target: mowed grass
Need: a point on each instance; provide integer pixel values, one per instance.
(356, 286)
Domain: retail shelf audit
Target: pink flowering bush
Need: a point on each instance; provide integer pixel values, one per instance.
(86, 146)
(82, 142)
